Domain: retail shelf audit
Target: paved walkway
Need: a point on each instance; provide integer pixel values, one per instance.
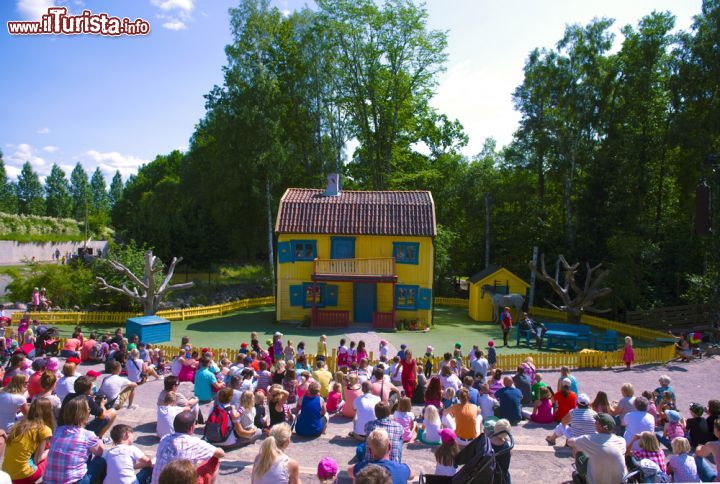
(532, 459)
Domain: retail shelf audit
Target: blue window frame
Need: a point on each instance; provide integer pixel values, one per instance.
(303, 250)
(406, 252)
(320, 297)
(406, 297)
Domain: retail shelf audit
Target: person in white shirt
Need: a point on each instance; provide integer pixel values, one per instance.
(364, 411)
(166, 414)
(124, 458)
(448, 379)
(66, 384)
(638, 421)
(138, 370)
(479, 366)
(486, 402)
(116, 388)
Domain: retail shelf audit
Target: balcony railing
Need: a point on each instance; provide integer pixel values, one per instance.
(379, 268)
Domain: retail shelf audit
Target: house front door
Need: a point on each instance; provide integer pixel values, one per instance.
(364, 301)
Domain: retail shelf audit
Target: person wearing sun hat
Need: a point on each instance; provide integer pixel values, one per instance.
(243, 348)
(600, 457)
(327, 470)
(674, 427)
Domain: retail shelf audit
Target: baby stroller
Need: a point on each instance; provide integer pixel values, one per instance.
(46, 343)
(478, 464)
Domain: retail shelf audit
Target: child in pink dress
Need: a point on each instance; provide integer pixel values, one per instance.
(629, 353)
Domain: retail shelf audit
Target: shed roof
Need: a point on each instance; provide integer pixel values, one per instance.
(489, 271)
(404, 213)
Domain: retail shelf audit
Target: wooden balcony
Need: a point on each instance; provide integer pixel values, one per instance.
(359, 270)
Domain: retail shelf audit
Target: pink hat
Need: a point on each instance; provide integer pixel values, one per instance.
(491, 343)
(447, 435)
(429, 349)
(52, 364)
(93, 373)
(327, 468)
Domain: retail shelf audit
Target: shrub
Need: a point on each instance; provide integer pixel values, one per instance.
(67, 285)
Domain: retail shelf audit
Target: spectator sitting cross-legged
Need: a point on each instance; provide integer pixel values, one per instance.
(104, 417)
(312, 420)
(565, 399)
(117, 388)
(323, 377)
(206, 382)
(524, 384)
(379, 448)
(66, 383)
(272, 465)
(638, 421)
(172, 384)
(13, 401)
(167, 410)
(600, 457)
(364, 410)
(67, 460)
(182, 444)
(393, 429)
(72, 347)
(239, 437)
(509, 398)
(579, 421)
(124, 458)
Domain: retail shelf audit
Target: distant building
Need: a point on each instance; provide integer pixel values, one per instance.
(500, 280)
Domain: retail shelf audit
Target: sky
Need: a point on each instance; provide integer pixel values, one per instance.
(117, 102)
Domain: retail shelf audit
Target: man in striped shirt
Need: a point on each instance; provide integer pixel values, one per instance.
(579, 421)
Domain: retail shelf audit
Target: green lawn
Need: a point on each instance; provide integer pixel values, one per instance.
(451, 325)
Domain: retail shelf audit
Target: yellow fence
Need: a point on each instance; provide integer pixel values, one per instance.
(91, 317)
(582, 359)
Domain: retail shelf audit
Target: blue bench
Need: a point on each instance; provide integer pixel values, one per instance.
(524, 333)
(568, 335)
(607, 341)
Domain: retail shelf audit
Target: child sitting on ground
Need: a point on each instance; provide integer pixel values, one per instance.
(335, 399)
(673, 428)
(446, 453)
(487, 402)
(681, 465)
(537, 385)
(260, 421)
(652, 408)
(405, 417)
(667, 403)
(247, 410)
(327, 470)
(543, 410)
(697, 427)
(124, 458)
(429, 432)
(449, 398)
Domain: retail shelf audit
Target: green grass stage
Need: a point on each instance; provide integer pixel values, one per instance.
(450, 325)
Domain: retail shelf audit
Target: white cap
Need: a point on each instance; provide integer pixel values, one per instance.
(278, 333)
(566, 381)
(583, 399)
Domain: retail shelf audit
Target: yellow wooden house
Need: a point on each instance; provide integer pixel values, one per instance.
(494, 279)
(355, 256)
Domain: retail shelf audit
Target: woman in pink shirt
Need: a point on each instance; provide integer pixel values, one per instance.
(351, 392)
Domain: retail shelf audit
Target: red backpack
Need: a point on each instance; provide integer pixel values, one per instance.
(218, 425)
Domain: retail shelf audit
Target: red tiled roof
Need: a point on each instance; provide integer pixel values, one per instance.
(307, 211)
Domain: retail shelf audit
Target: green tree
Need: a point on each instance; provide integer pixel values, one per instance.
(116, 189)
(30, 192)
(57, 193)
(388, 61)
(8, 195)
(99, 202)
(80, 191)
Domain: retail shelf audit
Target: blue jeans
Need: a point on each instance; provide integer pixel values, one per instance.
(96, 470)
(663, 440)
(145, 475)
(705, 470)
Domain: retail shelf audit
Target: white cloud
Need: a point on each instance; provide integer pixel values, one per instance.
(167, 5)
(176, 13)
(112, 161)
(50, 149)
(25, 152)
(34, 9)
(478, 97)
(174, 25)
(43, 131)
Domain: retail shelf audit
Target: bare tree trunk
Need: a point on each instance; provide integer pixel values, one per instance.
(271, 255)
